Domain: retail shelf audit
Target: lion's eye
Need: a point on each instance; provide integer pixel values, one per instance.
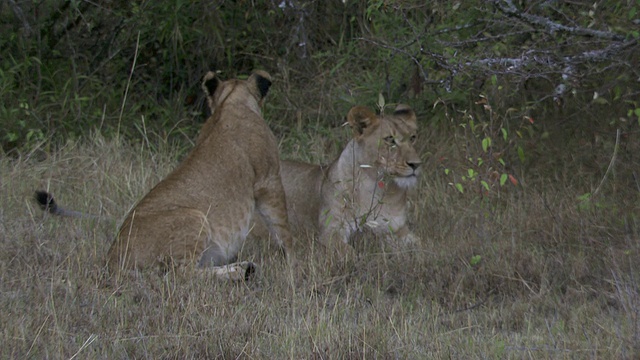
(390, 140)
(413, 138)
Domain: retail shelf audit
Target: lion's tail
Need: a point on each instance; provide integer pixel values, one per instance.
(48, 204)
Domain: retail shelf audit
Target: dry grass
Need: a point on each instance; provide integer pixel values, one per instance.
(549, 279)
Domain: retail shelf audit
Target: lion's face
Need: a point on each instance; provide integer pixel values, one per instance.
(386, 143)
(365, 187)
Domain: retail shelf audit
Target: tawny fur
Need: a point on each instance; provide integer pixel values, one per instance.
(366, 187)
(202, 211)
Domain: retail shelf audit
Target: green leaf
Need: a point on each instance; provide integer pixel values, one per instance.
(486, 143)
(617, 93)
(584, 197)
(447, 171)
(503, 179)
(11, 137)
(381, 102)
(504, 133)
(601, 101)
(521, 154)
(475, 260)
(484, 185)
(460, 188)
(584, 201)
(494, 79)
(328, 220)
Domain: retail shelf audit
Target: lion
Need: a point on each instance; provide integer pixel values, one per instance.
(366, 187)
(202, 211)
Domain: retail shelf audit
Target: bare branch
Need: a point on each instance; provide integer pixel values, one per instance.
(507, 7)
(548, 59)
(17, 11)
(606, 53)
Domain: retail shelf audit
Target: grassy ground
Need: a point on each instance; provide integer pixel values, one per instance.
(528, 272)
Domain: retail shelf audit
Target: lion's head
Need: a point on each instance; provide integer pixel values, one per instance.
(217, 91)
(365, 187)
(386, 143)
(232, 94)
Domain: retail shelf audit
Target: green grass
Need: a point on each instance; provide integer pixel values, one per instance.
(523, 273)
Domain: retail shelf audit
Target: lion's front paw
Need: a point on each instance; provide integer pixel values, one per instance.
(410, 239)
(241, 271)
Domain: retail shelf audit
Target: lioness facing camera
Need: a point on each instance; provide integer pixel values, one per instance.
(364, 188)
(202, 211)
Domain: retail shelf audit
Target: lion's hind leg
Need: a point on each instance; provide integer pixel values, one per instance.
(180, 237)
(271, 205)
(145, 238)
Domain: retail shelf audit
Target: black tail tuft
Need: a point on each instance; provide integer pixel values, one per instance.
(46, 202)
(251, 269)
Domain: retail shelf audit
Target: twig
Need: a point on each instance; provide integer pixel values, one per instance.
(613, 160)
(547, 58)
(20, 15)
(37, 335)
(89, 341)
(510, 9)
(635, 178)
(416, 61)
(470, 307)
(126, 90)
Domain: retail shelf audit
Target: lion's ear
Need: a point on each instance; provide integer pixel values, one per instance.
(261, 82)
(361, 118)
(210, 83)
(406, 112)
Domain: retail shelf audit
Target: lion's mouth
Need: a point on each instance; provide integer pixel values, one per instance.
(411, 173)
(406, 181)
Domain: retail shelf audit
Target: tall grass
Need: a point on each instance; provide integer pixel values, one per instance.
(528, 272)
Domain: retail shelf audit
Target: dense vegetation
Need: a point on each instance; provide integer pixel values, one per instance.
(520, 83)
(71, 66)
(528, 206)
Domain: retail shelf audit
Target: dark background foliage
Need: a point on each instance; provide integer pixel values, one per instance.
(518, 83)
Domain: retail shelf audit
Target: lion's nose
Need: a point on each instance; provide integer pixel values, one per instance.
(413, 165)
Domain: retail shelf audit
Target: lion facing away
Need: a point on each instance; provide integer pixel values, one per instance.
(366, 187)
(201, 212)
